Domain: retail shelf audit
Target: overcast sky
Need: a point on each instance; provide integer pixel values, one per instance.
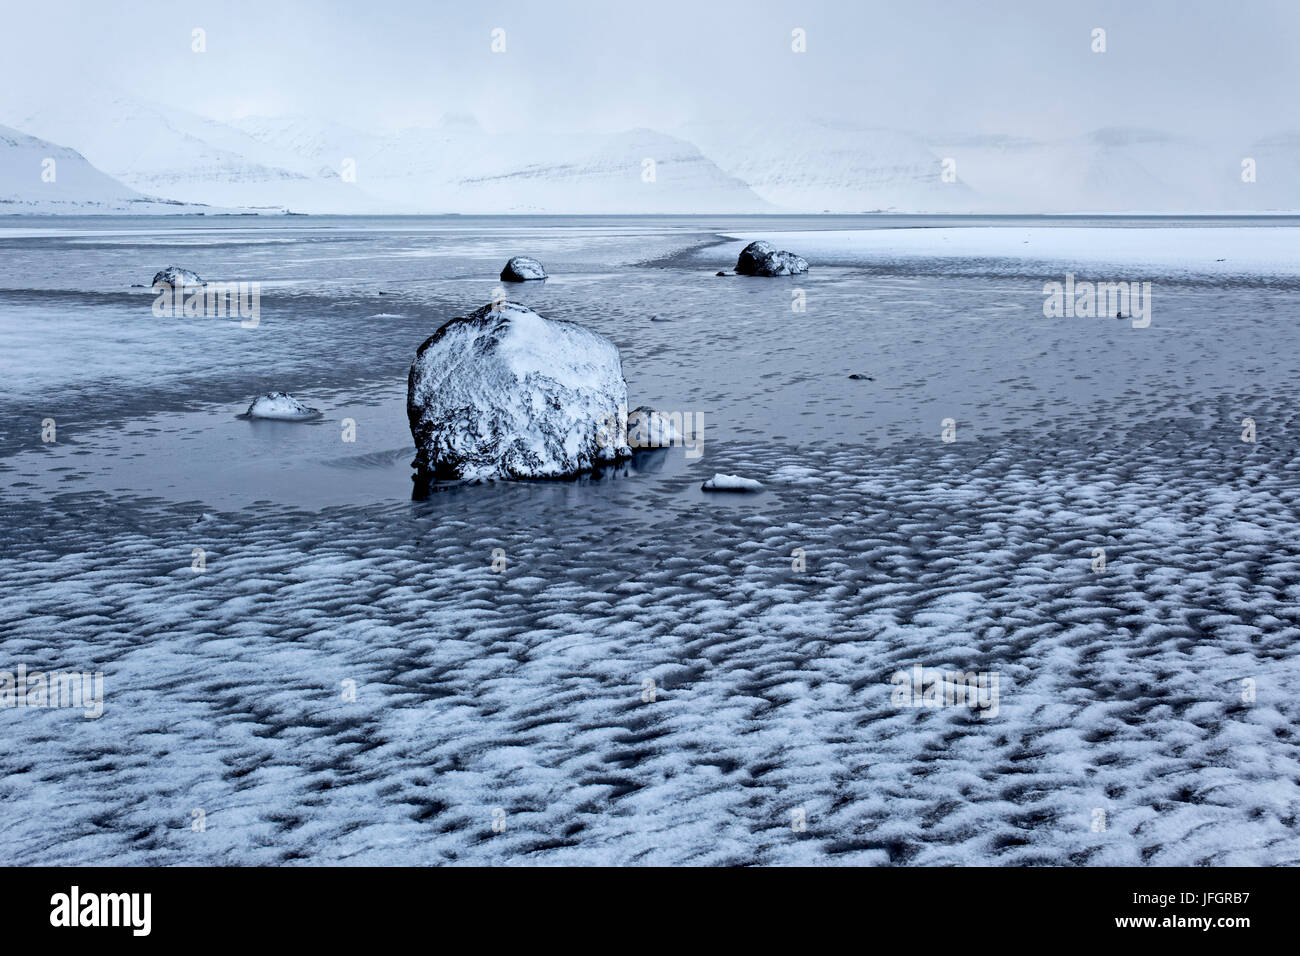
(1226, 68)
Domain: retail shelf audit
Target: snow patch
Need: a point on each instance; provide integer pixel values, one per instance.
(721, 482)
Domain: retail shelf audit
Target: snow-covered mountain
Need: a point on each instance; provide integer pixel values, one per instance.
(1277, 173)
(37, 176)
(307, 165)
(1112, 170)
(458, 166)
(167, 151)
(319, 145)
(733, 163)
(640, 171)
(807, 165)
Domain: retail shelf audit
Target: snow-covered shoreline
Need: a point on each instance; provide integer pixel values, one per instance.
(1211, 250)
(771, 624)
(524, 689)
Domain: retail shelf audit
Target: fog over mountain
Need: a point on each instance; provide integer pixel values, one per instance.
(507, 107)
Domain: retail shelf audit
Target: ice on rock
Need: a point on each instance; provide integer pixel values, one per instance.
(647, 428)
(522, 269)
(721, 482)
(175, 276)
(761, 258)
(507, 393)
(281, 406)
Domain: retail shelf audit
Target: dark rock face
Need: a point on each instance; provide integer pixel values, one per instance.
(505, 393)
(522, 269)
(761, 258)
(175, 277)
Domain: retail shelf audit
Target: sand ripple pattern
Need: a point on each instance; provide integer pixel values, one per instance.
(522, 690)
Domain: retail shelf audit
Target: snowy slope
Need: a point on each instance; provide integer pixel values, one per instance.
(615, 173)
(458, 166)
(160, 149)
(1108, 170)
(1277, 183)
(77, 186)
(807, 165)
(734, 163)
(311, 145)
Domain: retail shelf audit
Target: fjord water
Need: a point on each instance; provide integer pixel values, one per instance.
(525, 688)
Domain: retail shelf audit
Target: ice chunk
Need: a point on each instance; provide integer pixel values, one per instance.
(721, 482)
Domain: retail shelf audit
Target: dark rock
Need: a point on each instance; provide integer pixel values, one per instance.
(761, 258)
(281, 406)
(175, 277)
(522, 269)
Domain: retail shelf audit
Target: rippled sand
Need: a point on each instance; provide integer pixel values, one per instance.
(520, 696)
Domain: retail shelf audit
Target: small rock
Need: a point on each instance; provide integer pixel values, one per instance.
(761, 258)
(858, 377)
(522, 269)
(175, 276)
(281, 406)
(647, 428)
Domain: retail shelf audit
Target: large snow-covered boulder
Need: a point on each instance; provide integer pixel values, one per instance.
(761, 258)
(522, 269)
(175, 276)
(507, 393)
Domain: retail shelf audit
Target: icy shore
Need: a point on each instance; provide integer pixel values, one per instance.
(526, 689)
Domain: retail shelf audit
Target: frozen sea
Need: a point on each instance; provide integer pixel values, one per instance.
(353, 678)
